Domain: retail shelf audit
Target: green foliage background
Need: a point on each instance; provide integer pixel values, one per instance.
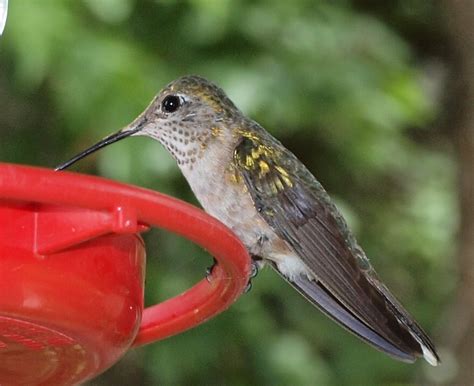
(337, 82)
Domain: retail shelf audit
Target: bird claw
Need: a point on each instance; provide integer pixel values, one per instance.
(209, 269)
(248, 287)
(253, 273)
(254, 269)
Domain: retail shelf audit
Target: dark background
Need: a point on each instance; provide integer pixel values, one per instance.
(375, 97)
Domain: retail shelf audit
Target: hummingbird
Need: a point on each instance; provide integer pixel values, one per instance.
(248, 180)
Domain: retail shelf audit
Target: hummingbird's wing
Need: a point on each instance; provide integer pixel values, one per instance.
(344, 285)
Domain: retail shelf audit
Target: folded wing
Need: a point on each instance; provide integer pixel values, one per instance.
(343, 283)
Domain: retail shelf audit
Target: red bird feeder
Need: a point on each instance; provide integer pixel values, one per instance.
(72, 273)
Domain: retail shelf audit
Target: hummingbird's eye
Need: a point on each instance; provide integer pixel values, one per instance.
(171, 103)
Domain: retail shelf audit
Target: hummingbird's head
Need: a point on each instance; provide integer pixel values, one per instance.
(185, 117)
(193, 97)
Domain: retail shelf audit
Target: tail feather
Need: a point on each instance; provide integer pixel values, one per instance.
(402, 350)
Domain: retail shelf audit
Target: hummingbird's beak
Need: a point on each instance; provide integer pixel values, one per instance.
(127, 131)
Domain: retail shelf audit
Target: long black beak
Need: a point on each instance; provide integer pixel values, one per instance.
(135, 126)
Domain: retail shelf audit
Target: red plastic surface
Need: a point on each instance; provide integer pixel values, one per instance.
(71, 273)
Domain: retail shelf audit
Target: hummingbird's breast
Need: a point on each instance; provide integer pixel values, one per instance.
(224, 196)
(221, 190)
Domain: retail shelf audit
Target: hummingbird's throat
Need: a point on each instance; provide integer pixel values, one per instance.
(186, 145)
(185, 149)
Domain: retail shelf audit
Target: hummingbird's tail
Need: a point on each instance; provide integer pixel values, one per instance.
(406, 343)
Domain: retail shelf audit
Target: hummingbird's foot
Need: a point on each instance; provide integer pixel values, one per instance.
(248, 287)
(254, 269)
(210, 268)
